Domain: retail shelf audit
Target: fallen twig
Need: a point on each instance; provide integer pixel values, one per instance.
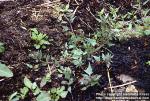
(86, 24)
(108, 74)
(2, 80)
(125, 84)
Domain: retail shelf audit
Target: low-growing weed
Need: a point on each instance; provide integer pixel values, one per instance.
(28, 86)
(41, 40)
(57, 93)
(88, 79)
(47, 78)
(69, 77)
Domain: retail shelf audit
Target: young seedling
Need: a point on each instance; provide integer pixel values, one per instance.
(68, 76)
(41, 40)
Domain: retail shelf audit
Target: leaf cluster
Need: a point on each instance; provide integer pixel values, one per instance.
(41, 40)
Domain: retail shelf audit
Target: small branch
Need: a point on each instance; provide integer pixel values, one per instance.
(51, 70)
(76, 2)
(108, 50)
(121, 85)
(97, 49)
(69, 24)
(86, 24)
(74, 12)
(88, 9)
(2, 80)
(108, 74)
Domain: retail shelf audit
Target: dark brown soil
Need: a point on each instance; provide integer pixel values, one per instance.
(15, 21)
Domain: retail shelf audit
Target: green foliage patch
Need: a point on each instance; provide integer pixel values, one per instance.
(41, 40)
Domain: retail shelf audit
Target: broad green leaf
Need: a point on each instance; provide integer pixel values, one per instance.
(43, 97)
(89, 70)
(65, 28)
(37, 46)
(91, 41)
(78, 62)
(29, 65)
(41, 36)
(146, 20)
(67, 7)
(107, 58)
(34, 30)
(43, 82)
(5, 71)
(60, 89)
(53, 90)
(130, 26)
(147, 32)
(101, 12)
(14, 97)
(24, 92)
(67, 73)
(71, 46)
(36, 91)
(69, 89)
(85, 80)
(77, 52)
(34, 36)
(43, 47)
(27, 83)
(45, 79)
(44, 42)
(34, 85)
(63, 94)
(116, 30)
(97, 58)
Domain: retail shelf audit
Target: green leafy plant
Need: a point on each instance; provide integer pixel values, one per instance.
(79, 48)
(97, 58)
(73, 53)
(68, 76)
(57, 93)
(36, 55)
(107, 59)
(88, 79)
(47, 77)
(145, 29)
(28, 86)
(2, 48)
(54, 94)
(40, 58)
(43, 96)
(5, 71)
(41, 40)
